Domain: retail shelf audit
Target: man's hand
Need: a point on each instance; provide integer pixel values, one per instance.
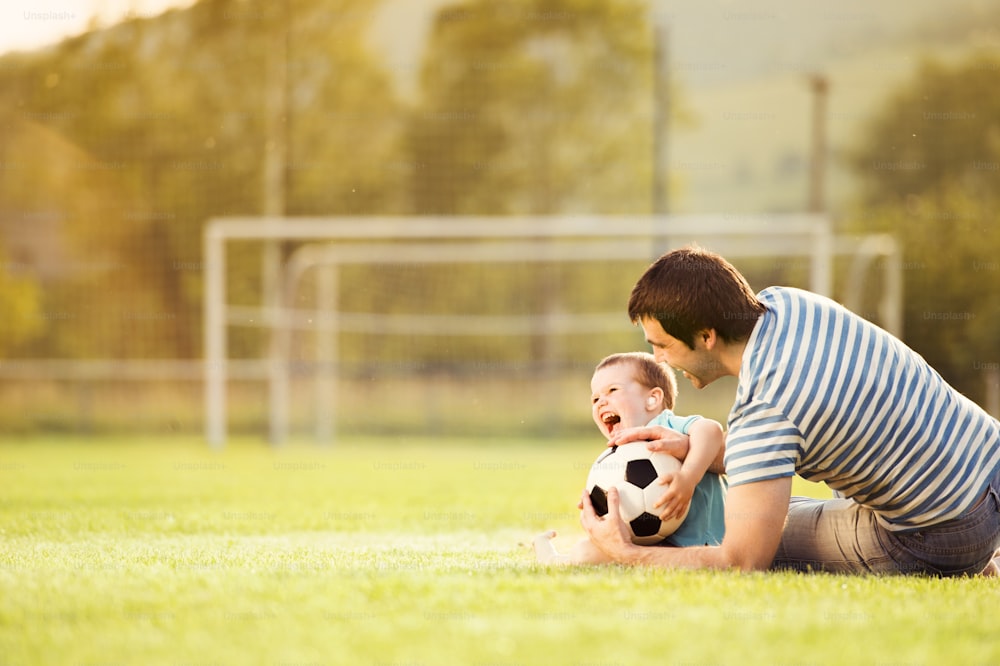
(755, 515)
(609, 534)
(657, 438)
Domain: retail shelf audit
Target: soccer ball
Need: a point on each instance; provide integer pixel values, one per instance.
(634, 469)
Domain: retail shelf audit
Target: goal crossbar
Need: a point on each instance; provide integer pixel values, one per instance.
(624, 237)
(305, 228)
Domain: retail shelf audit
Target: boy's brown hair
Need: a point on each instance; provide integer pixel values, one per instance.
(648, 372)
(691, 290)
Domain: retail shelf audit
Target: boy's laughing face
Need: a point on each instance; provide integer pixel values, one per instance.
(619, 402)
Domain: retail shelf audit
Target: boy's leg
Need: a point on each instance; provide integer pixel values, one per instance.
(545, 551)
(583, 552)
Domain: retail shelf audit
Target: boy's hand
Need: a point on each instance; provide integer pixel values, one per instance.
(657, 438)
(676, 500)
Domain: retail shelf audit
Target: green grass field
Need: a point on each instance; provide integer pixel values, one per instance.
(400, 552)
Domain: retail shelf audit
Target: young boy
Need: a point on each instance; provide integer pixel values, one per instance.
(630, 390)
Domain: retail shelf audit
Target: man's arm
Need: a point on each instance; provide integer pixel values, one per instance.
(755, 517)
(660, 438)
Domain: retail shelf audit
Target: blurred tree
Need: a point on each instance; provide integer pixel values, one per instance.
(930, 168)
(64, 222)
(132, 137)
(537, 107)
(533, 107)
(168, 115)
(19, 303)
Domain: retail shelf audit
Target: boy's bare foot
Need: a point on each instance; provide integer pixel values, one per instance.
(545, 550)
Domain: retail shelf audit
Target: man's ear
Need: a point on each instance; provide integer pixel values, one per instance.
(708, 337)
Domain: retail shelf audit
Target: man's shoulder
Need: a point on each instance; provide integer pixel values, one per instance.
(778, 295)
(787, 307)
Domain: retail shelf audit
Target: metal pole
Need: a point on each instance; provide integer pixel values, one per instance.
(327, 353)
(821, 271)
(820, 87)
(214, 325)
(275, 171)
(822, 274)
(661, 120)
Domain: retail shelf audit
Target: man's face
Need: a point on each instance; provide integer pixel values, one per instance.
(699, 365)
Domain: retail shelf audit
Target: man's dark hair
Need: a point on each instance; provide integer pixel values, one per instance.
(691, 290)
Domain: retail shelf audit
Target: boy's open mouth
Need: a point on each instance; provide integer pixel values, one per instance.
(611, 422)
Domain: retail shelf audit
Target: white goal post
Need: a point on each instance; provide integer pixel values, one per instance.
(487, 240)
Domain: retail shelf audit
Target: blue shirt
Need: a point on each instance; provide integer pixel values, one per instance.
(824, 393)
(705, 523)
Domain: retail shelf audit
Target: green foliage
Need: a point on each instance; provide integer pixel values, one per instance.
(133, 137)
(67, 223)
(383, 551)
(930, 167)
(940, 130)
(527, 108)
(19, 303)
(535, 107)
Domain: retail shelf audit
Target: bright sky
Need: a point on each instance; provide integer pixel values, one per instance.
(30, 24)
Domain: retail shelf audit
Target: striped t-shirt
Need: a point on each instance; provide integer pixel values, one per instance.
(824, 393)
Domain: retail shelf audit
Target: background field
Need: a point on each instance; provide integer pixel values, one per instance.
(392, 551)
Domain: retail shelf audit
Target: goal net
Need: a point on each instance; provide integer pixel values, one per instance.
(462, 325)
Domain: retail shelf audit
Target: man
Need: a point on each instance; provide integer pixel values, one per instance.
(825, 394)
